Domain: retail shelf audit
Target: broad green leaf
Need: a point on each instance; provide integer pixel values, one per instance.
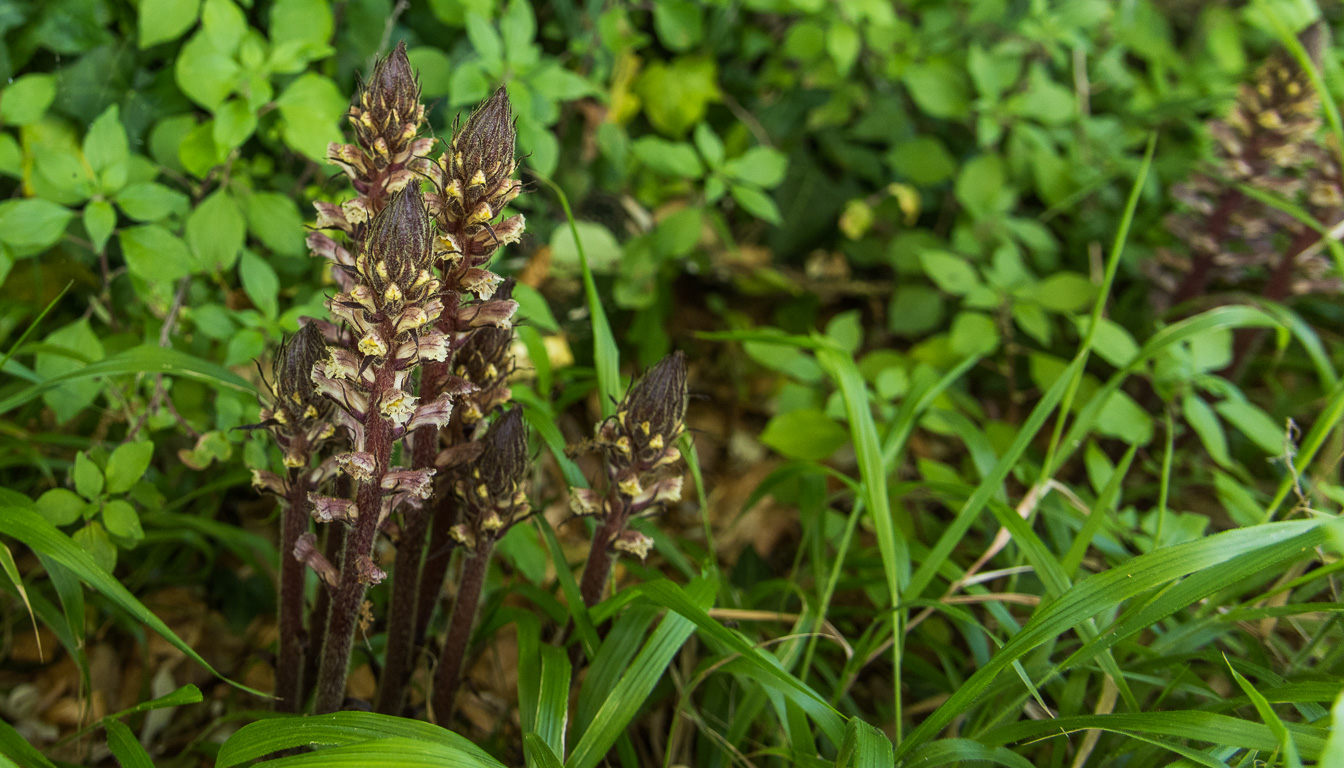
(84, 347)
(435, 69)
(154, 254)
(974, 334)
(164, 20)
(94, 541)
(982, 186)
(29, 527)
(923, 160)
(88, 477)
(122, 521)
(306, 22)
(710, 145)
(677, 94)
(260, 283)
(310, 108)
(61, 506)
(671, 158)
(204, 73)
(1204, 421)
(107, 150)
(1064, 292)
(863, 747)
(949, 272)
(32, 223)
(151, 201)
(25, 99)
(216, 232)
(757, 203)
(762, 166)
(273, 219)
(679, 24)
(485, 40)
(939, 88)
(843, 44)
(99, 221)
(599, 245)
(1255, 424)
(914, 310)
(234, 123)
(806, 434)
(224, 24)
(127, 465)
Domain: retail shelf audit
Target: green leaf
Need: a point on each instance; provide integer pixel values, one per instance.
(679, 24)
(224, 24)
(198, 153)
(164, 20)
(311, 107)
(914, 310)
(122, 521)
(61, 506)
(982, 186)
(923, 160)
(151, 201)
(216, 232)
(125, 747)
(485, 40)
(532, 308)
(637, 683)
(1064, 292)
(11, 157)
(260, 283)
(24, 100)
(127, 465)
(1255, 424)
(1333, 753)
(843, 44)
(807, 434)
(435, 69)
(762, 166)
(1204, 421)
(32, 223)
(517, 28)
(974, 334)
(84, 347)
(94, 542)
(27, 526)
(204, 73)
(154, 254)
(88, 477)
(307, 23)
(757, 203)
(274, 219)
(864, 747)
(1121, 417)
(149, 358)
(99, 221)
(107, 150)
(234, 123)
(13, 745)
(671, 158)
(709, 144)
(676, 95)
(600, 246)
(340, 729)
(939, 89)
(538, 753)
(949, 272)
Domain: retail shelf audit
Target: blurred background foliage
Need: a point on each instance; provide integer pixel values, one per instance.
(924, 183)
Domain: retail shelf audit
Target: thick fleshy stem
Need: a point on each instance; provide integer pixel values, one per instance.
(289, 661)
(358, 548)
(601, 557)
(448, 677)
(438, 556)
(401, 646)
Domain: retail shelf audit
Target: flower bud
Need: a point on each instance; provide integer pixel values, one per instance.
(503, 460)
(485, 145)
(396, 250)
(292, 371)
(651, 415)
(389, 113)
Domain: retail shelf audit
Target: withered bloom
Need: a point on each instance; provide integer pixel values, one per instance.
(638, 444)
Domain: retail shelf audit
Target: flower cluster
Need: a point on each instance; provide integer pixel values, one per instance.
(639, 447)
(491, 487)
(1269, 142)
(298, 414)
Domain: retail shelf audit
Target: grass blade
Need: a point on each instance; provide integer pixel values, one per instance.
(43, 537)
(125, 747)
(365, 730)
